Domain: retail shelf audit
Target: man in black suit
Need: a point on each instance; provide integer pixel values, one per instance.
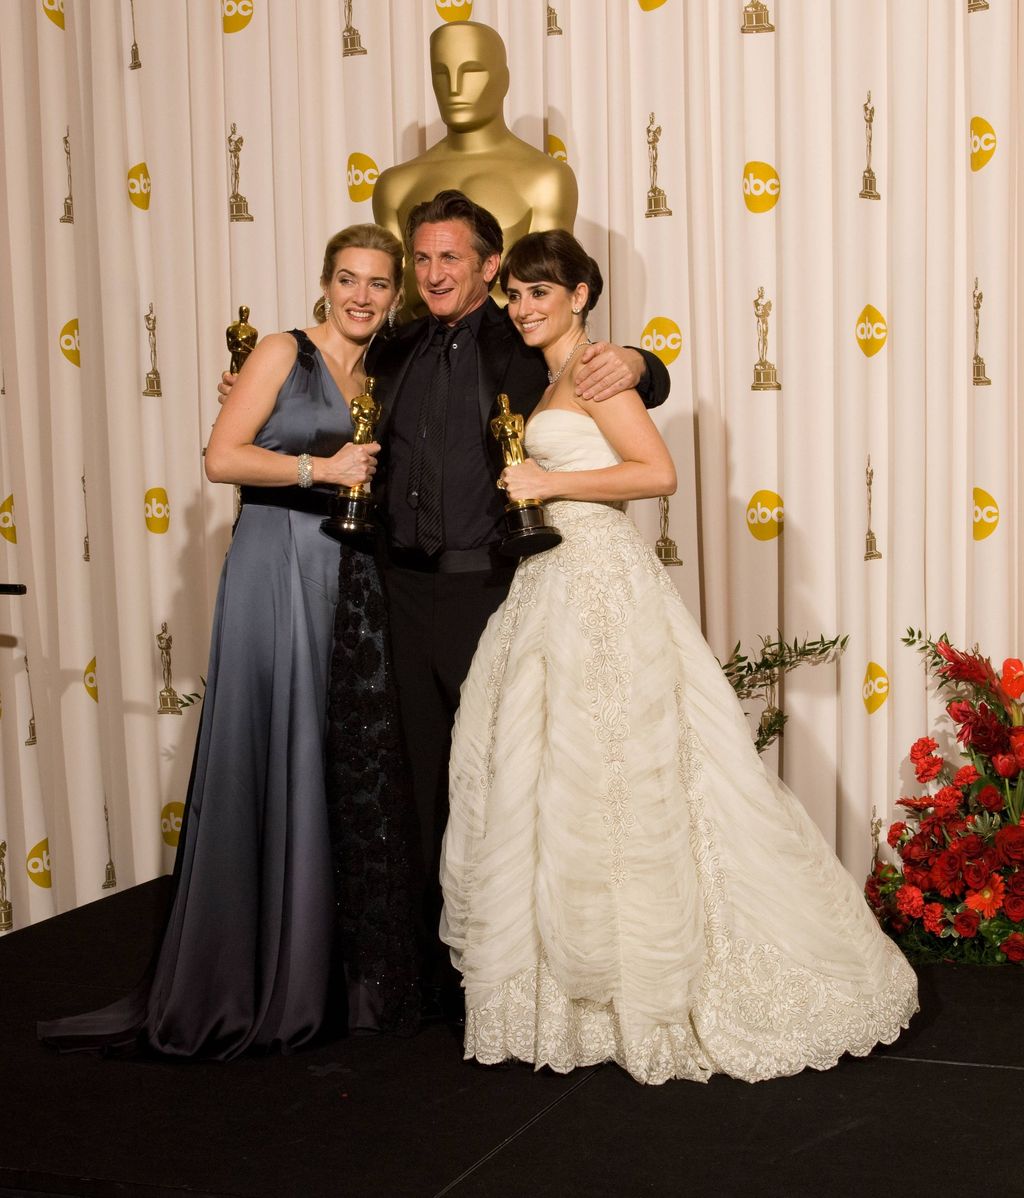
(438, 379)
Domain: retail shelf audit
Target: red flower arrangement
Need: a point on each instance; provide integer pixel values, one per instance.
(957, 891)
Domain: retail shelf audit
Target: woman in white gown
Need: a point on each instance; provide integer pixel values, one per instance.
(623, 878)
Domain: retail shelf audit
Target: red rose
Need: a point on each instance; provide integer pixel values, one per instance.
(990, 798)
(969, 845)
(917, 876)
(933, 921)
(927, 768)
(1013, 946)
(910, 901)
(1006, 765)
(1013, 905)
(1015, 883)
(1017, 745)
(1010, 843)
(1013, 677)
(965, 775)
(976, 874)
(873, 891)
(896, 830)
(966, 923)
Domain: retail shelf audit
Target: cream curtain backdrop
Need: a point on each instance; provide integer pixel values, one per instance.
(104, 509)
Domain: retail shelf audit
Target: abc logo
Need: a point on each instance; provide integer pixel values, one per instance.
(761, 186)
(139, 185)
(871, 331)
(37, 863)
(983, 142)
(650, 5)
(54, 9)
(556, 148)
(69, 342)
(8, 529)
(765, 515)
(454, 10)
(89, 681)
(236, 13)
(170, 823)
(876, 687)
(158, 510)
(986, 514)
(361, 176)
(662, 337)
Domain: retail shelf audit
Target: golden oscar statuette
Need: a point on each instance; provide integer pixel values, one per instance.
(352, 509)
(153, 374)
(656, 204)
(526, 528)
(765, 375)
(6, 910)
(869, 184)
(241, 338)
(351, 43)
(238, 205)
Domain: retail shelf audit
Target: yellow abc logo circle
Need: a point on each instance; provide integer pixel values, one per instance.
(986, 514)
(765, 515)
(871, 330)
(361, 176)
(761, 186)
(875, 690)
(37, 863)
(54, 9)
(236, 14)
(983, 142)
(650, 5)
(170, 823)
(662, 337)
(454, 10)
(556, 148)
(8, 529)
(69, 342)
(158, 510)
(139, 185)
(89, 681)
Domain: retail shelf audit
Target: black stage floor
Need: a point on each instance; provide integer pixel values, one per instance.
(940, 1113)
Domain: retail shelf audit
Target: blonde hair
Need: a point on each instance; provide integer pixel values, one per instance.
(359, 237)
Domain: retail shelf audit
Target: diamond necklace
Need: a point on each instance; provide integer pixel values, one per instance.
(553, 378)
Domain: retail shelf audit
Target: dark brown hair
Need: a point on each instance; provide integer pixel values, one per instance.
(553, 256)
(453, 205)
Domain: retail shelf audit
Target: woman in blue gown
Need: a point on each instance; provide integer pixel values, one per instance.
(246, 957)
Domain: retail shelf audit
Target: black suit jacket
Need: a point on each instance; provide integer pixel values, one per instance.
(505, 363)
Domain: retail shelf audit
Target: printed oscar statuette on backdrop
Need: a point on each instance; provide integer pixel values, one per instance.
(351, 43)
(869, 184)
(554, 29)
(134, 62)
(871, 550)
(85, 508)
(656, 201)
(977, 5)
(31, 739)
(755, 18)
(109, 873)
(352, 508)
(152, 375)
(980, 378)
(6, 910)
(526, 528)
(665, 547)
(765, 375)
(69, 205)
(238, 205)
(170, 701)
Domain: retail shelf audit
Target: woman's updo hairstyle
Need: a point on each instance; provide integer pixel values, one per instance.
(359, 237)
(553, 256)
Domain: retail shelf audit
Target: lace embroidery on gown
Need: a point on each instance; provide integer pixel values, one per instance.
(623, 878)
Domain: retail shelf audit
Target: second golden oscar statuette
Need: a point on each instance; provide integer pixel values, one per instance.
(352, 509)
(526, 528)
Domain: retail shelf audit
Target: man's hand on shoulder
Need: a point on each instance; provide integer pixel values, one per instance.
(606, 370)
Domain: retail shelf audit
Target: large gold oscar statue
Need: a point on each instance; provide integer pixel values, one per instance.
(525, 189)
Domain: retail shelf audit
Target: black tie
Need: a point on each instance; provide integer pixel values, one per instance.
(426, 474)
